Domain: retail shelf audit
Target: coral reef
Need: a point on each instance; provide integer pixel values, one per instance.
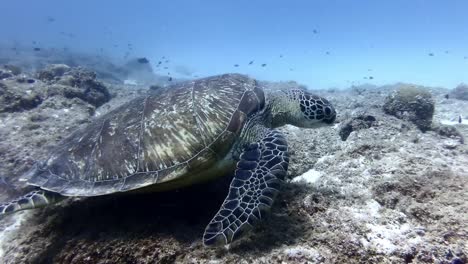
(75, 83)
(413, 104)
(52, 72)
(449, 132)
(460, 92)
(389, 193)
(82, 84)
(13, 99)
(24, 93)
(356, 123)
(15, 70)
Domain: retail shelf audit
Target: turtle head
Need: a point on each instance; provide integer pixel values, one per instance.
(315, 110)
(302, 109)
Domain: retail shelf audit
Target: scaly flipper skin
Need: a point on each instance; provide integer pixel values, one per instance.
(260, 171)
(34, 199)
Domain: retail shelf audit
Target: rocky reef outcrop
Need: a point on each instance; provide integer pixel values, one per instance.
(361, 121)
(13, 99)
(411, 103)
(22, 92)
(75, 83)
(460, 92)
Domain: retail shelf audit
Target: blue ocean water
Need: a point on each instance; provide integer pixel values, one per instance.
(319, 43)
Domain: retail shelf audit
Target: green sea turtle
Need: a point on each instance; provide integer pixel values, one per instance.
(193, 132)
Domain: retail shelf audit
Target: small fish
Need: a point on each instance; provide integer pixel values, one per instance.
(166, 61)
(459, 119)
(37, 49)
(315, 31)
(170, 79)
(236, 65)
(166, 68)
(466, 57)
(264, 64)
(281, 55)
(142, 60)
(251, 62)
(291, 69)
(446, 96)
(328, 53)
(371, 77)
(159, 62)
(431, 54)
(50, 19)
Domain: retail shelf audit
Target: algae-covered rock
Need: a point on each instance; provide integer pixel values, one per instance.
(52, 72)
(449, 132)
(24, 93)
(413, 104)
(75, 83)
(460, 92)
(5, 74)
(14, 100)
(81, 83)
(15, 70)
(356, 123)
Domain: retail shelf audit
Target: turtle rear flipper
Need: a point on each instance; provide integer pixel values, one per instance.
(258, 176)
(34, 199)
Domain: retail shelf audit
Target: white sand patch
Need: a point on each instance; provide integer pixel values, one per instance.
(367, 213)
(299, 252)
(310, 176)
(384, 235)
(449, 122)
(130, 82)
(326, 158)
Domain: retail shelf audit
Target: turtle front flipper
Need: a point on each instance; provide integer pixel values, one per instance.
(260, 171)
(34, 199)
